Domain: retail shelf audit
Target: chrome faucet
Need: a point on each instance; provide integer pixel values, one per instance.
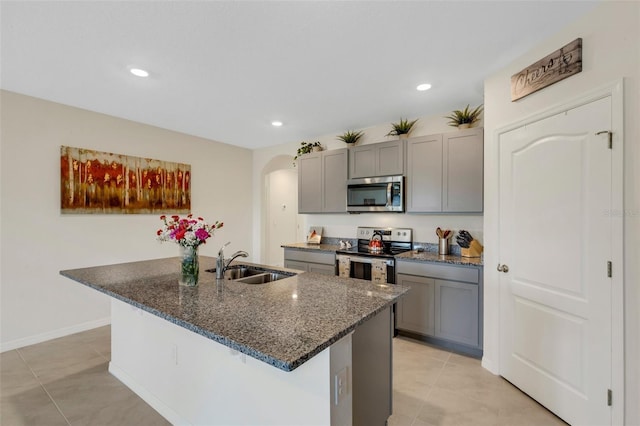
(221, 266)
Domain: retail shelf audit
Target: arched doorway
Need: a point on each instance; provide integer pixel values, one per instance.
(280, 208)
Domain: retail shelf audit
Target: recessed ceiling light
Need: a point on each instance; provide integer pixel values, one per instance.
(423, 87)
(276, 123)
(139, 72)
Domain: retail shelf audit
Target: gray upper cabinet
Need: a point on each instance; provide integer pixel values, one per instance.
(362, 161)
(445, 172)
(334, 176)
(463, 171)
(310, 183)
(322, 182)
(424, 174)
(378, 159)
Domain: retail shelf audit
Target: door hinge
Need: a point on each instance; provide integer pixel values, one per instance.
(609, 397)
(609, 268)
(610, 134)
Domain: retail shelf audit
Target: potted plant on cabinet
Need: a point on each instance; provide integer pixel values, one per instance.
(307, 147)
(463, 119)
(350, 137)
(402, 128)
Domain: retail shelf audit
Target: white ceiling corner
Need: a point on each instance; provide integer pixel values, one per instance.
(223, 70)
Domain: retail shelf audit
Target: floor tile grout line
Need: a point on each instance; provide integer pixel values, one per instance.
(55, 404)
(417, 411)
(415, 416)
(101, 354)
(431, 388)
(26, 364)
(447, 360)
(472, 397)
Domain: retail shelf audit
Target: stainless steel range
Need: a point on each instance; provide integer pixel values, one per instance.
(373, 257)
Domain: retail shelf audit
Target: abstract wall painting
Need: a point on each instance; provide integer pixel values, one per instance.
(94, 182)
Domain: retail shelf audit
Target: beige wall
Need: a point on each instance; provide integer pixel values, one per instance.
(37, 241)
(611, 51)
(344, 225)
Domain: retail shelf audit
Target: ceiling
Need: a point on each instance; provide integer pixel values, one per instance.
(225, 70)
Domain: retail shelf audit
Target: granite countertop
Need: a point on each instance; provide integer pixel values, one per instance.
(423, 256)
(429, 256)
(283, 323)
(313, 247)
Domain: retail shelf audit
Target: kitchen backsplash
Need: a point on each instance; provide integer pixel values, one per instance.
(454, 249)
(336, 241)
(423, 226)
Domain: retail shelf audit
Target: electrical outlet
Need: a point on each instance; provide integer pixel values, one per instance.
(340, 386)
(243, 357)
(174, 354)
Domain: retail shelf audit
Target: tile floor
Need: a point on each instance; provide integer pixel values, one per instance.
(435, 387)
(65, 382)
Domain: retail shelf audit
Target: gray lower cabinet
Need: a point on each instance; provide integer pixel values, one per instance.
(444, 304)
(295, 264)
(416, 311)
(445, 172)
(322, 269)
(456, 315)
(322, 263)
(322, 181)
(377, 159)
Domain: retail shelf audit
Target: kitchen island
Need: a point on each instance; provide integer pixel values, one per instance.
(309, 339)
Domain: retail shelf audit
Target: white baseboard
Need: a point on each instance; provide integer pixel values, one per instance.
(54, 334)
(487, 364)
(163, 409)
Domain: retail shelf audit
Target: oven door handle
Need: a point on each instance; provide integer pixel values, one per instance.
(369, 260)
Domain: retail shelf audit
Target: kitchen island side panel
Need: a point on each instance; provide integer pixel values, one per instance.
(190, 379)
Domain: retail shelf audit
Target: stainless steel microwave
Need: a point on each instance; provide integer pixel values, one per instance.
(376, 194)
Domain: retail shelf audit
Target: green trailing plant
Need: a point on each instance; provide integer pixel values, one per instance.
(350, 137)
(403, 127)
(466, 116)
(305, 148)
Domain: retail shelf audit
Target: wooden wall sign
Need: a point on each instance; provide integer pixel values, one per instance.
(557, 66)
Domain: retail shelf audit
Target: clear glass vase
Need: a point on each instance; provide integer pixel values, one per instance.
(190, 268)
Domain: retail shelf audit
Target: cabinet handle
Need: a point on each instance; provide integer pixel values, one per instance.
(503, 268)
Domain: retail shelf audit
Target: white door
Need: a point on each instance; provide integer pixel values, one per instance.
(282, 213)
(555, 239)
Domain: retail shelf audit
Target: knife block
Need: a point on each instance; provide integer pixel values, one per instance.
(474, 250)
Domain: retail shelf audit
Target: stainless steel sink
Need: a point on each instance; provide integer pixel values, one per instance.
(266, 277)
(240, 271)
(253, 275)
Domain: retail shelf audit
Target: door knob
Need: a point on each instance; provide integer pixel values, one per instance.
(503, 268)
